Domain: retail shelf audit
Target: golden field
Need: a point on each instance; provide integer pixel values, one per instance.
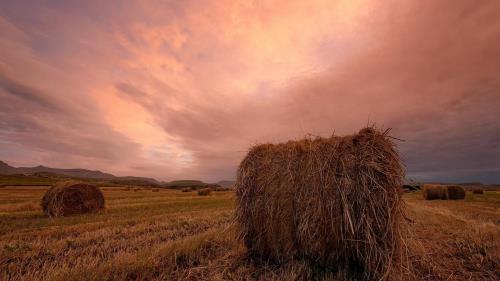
(174, 235)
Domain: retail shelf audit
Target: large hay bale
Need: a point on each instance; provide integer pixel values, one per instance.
(333, 200)
(72, 198)
(455, 192)
(478, 190)
(435, 192)
(204, 191)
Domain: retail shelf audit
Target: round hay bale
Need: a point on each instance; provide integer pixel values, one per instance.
(335, 201)
(136, 189)
(68, 199)
(478, 190)
(455, 192)
(186, 189)
(155, 189)
(435, 192)
(204, 191)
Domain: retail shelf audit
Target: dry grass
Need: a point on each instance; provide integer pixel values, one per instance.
(181, 236)
(333, 201)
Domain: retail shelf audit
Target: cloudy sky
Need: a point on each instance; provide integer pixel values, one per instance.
(182, 89)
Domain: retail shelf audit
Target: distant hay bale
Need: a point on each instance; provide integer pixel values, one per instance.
(72, 198)
(136, 189)
(435, 192)
(222, 189)
(187, 189)
(455, 192)
(204, 191)
(443, 192)
(335, 201)
(155, 189)
(478, 190)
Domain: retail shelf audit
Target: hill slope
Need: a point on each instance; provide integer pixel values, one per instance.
(6, 169)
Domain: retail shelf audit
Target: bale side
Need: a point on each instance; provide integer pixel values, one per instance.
(478, 190)
(435, 192)
(204, 191)
(72, 198)
(335, 201)
(455, 192)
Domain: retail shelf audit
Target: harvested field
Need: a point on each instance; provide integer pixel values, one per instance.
(181, 236)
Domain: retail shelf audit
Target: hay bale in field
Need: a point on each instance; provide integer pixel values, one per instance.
(477, 190)
(136, 189)
(333, 200)
(204, 191)
(435, 192)
(186, 189)
(155, 189)
(455, 192)
(72, 198)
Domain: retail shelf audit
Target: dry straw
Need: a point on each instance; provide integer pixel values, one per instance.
(455, 192)
(155, 189)
(204, 191)
(70, 198)
(443, 192)
(334, 201)
(435, 192)
(478, 190)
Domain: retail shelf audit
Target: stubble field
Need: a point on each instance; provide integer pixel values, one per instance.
(171, 235)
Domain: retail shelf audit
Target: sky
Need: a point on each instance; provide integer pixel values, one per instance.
(182, 89)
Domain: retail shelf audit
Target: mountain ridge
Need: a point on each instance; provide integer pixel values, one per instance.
(6, 169)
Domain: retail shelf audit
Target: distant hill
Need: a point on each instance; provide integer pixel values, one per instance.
(47, 172)
(226, 183)
(185, 183)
